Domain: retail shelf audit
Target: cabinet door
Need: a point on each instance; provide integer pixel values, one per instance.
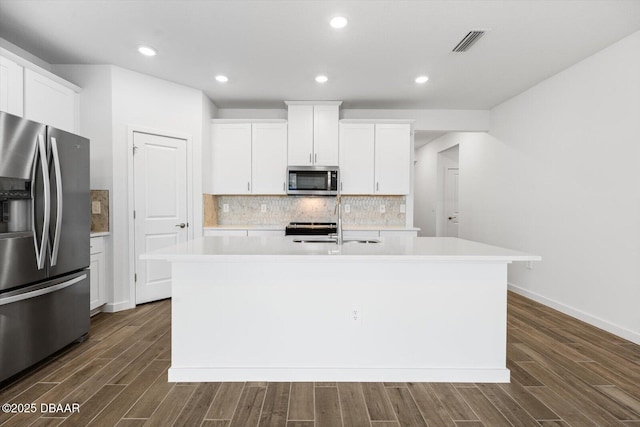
(356, 158)
(392, 159)
(231, 149)
(11, 87)
(269, 158)
(97, 284)
(49, 102)
(325, 132)
(300, 141)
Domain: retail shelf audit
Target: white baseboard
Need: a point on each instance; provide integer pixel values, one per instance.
(289, 374)
(578, 314)
(118, 306)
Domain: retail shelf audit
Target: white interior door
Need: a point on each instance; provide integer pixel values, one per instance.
(451, 202)
(160, 188)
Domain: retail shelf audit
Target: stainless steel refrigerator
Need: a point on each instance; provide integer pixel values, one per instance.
(44, 241)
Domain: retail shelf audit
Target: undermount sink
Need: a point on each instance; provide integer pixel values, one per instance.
(333, 241)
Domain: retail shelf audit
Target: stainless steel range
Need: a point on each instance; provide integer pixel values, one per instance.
(310, 229)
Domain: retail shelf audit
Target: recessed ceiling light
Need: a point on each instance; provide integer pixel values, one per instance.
(147, 50)
(222, 79)
(322, 79)
(421, 79)
(339, 22)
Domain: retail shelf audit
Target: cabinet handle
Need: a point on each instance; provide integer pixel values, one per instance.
(248, 186)
(316, 159)
(377, 186)
(310, 158)
(340, 185)
(284, 186)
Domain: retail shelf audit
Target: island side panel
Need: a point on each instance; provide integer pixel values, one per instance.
(294, 321)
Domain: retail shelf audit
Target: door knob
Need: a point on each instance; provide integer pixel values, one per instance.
(181, 225)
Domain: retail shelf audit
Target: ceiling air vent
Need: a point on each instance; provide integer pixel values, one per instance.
(468, 40)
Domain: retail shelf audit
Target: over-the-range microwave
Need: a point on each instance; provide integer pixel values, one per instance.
(312, 180)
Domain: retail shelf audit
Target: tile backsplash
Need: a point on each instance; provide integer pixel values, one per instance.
(99, 210)
(280, 210)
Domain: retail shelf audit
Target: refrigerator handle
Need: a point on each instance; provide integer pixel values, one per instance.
(56, 236)
(41, 157)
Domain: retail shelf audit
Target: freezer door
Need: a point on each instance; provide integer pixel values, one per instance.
(39, 320)
(70, 223)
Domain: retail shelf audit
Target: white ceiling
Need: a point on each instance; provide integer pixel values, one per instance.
(272, 50)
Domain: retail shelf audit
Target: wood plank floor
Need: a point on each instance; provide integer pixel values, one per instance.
(564, 373)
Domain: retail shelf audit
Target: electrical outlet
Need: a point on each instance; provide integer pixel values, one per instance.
(383, 208)
(403, 208)
(225, 207)
(529, 265)
(347, 208)
(263, 208)
(96, 207)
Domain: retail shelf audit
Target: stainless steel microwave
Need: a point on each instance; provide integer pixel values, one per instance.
(312, 180)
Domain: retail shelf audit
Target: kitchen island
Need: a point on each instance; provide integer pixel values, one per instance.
(404, 309)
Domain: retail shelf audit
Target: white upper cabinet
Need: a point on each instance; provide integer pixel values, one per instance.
(249, 158)
(300, 151)
(231, 150)
(49, 102)
(357, 148)
(313, 133)
(392, 159)
(11, 84)
(325, 135)
(269, 158)
(375, 158)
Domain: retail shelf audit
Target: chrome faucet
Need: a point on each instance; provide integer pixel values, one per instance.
(338, 210)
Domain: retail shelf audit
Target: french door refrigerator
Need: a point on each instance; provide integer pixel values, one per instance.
(44, 241)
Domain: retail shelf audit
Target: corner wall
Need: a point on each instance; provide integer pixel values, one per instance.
(558, 176)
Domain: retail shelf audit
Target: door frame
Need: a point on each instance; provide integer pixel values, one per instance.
(131, 130)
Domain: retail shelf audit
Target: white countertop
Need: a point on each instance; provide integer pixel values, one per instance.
(274, 249)
(99, 233)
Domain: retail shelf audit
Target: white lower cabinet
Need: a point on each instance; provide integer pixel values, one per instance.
(97, 281)
(266, 233)
(360, 234)
(224, 232)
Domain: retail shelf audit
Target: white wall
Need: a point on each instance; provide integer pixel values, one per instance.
(148, 102)
(114, 99)
(428, 197)
(558, 176)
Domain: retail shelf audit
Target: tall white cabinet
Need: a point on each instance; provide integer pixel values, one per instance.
(375, 158)
(313, 133)
(249, 158)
